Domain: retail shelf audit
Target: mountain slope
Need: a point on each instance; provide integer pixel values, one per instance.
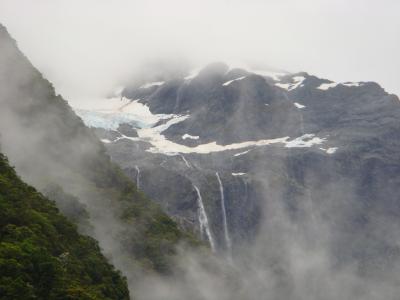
(42, 256)
(325, 153)
(53, 151)
(227, 105)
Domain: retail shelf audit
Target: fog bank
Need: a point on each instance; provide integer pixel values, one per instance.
(89, 47)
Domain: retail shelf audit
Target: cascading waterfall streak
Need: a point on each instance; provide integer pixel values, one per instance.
(224, 218)
(203, 220)
(137, 177)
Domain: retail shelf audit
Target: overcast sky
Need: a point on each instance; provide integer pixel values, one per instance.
(87, 46)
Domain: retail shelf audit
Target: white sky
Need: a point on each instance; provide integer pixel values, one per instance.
(85, 46)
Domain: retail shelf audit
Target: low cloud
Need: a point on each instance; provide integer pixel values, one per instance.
(89, 47)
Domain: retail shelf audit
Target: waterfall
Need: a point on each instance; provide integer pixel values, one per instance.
(186, 162)
(225, 223)
(203, 220)
(302, 123)
(302, 131)
(137, 176)
(246, 190)
(310, 206)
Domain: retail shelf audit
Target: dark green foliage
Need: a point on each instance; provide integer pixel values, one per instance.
(42, 256)
(68, 205)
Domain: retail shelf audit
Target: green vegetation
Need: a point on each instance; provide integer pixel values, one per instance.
(56, 153)
(42, 256)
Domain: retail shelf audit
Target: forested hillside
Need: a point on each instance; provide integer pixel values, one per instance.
(42, 256)
(53, 151)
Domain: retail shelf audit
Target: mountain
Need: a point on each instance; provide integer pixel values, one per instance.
(55, 152)
(291, 179)
(226, 150)
(42, 256)
(225, 105)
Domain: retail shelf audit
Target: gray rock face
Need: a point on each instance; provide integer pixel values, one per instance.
(127, 130)
(224, 106)
(348, 180)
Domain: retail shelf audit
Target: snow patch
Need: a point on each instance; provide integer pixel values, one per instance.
(188, 136)
(274, 74)
(230, 81)
(297, 82)
(331, 150)
(193, 74)
(327, 86)
(353, 84)
(238, 174)
(119, 111)
(162, 145)
(151, 84)
(242, 153)
(172, 120)
(304, 141)
(285, 86)
(298, 105)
